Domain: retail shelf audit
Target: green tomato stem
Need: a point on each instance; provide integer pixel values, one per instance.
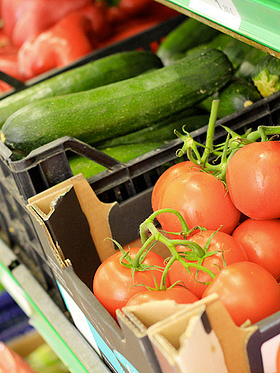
(149, 225)
(150, 235)
(210, 131)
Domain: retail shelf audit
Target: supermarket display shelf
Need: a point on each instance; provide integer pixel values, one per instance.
(255, 22)
(46, 317)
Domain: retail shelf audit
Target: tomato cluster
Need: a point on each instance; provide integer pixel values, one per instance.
(246, 207)
(223, 234)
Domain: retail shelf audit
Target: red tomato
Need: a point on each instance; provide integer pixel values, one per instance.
(253, 179)
(228, 251)
(179, 294)
(261, 241)
(202, 200)
(113, 284)
(167, 177)
(247, 290)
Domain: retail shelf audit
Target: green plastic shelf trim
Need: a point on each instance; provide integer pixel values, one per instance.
(40, 322)
(256, 20)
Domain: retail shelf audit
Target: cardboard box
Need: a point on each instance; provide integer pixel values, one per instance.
(73, 226)
(200, 337)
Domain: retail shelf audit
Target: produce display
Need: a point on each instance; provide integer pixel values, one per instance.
(218, 215)
(39, 36)
(215, 224)
(140, 95)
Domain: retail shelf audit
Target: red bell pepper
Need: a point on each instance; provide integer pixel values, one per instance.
(128, 29)
(97, 14)
(68, 40)
(153, 14)
(122, 10)
(24, 19)
(9, 65)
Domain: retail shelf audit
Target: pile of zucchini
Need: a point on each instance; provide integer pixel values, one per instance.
(129, 103)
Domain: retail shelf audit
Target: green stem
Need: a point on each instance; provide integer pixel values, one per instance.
(210, 131)
(262, 132)
(189, 147)
(144, 230)
(150, 234)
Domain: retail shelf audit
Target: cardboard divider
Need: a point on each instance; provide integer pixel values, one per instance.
(96, 212)
(198, 337)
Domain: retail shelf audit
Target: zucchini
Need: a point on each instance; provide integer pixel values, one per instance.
(103, 71)
(187, 35)
(235, 49)
(122, 153)
(237, 95)
(118, 108)
(160, 131)
(248, 66)
(267, 76)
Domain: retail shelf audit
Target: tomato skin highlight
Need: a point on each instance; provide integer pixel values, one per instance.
(261, 241)
(167, 177)
(202, 200)
(247, 290)
(253, 178)
(229, 251)
(113, 284)
(179, 294)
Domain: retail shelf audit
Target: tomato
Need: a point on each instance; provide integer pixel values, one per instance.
(228, 251)
(113, 283)
(179, 294)
(261, 241)
(167, 177)
(202, 200)
(247, 290)
(253, 179)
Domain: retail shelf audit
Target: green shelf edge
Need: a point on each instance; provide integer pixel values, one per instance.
(259, 21)
(40, 322)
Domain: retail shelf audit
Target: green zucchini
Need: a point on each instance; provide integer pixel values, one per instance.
(187, 35)
(160, 131)
(248, 66)
(235, 49)
(267, 76)
(235, 96)
(106, 70)
(122, 153)
(118, 108)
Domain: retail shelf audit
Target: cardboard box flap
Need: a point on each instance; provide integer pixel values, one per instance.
(76, 224)
(176, 338)
(46, 204)
(96, 212)
(187, 344)
(200, 337)
(134, 328)
(142, 316)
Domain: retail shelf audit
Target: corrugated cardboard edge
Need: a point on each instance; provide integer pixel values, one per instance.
(233, 339)
(148, 314)
(42, 205)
